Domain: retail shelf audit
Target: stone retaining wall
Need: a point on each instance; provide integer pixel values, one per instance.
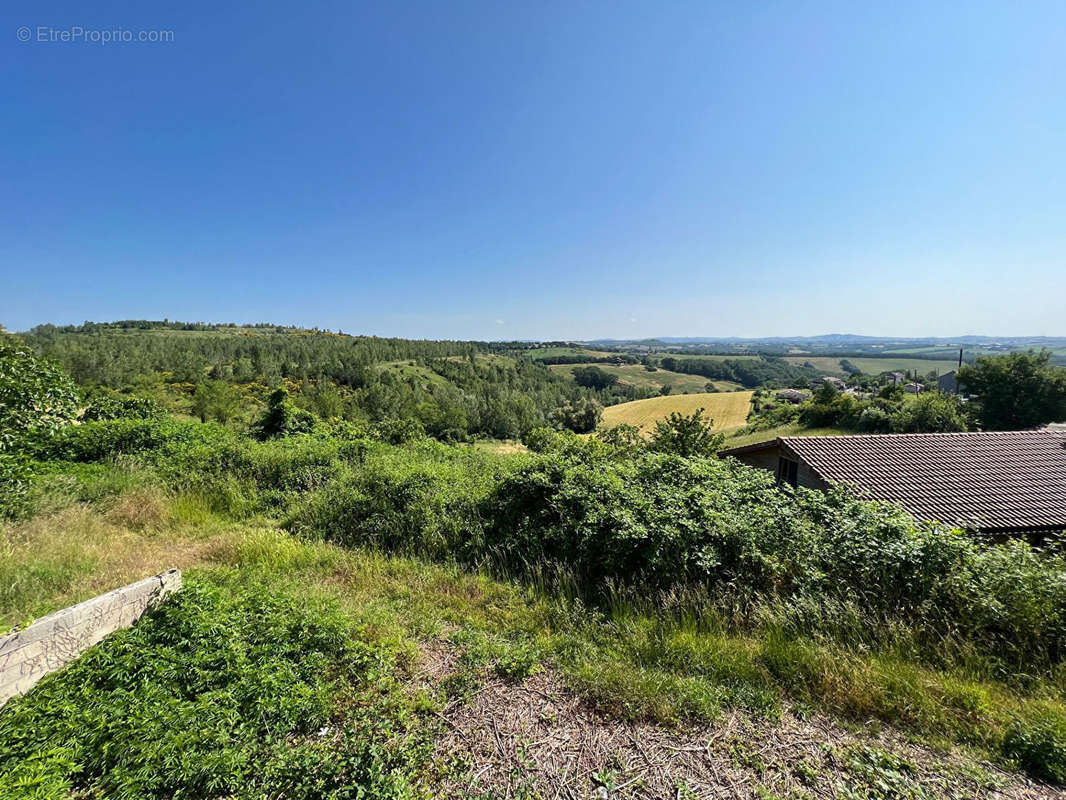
(28, 655)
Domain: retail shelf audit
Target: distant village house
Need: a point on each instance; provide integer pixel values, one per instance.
(947, 383)
(830, 379)
(793, 396)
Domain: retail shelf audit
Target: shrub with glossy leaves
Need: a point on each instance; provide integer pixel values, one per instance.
(35, 395)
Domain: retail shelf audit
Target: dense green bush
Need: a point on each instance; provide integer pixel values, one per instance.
(104, 405)
(771, 415)
(283, 418)
(1017, 390)
(95, 441)
(686, 435)
(235, 693)
(617, 513)
(428, 498)
(614, 516)
(582, 416)
(664, 522)
(1039, 745)
(930, 412)
(236, 474)
(35, 397)
(15, 472)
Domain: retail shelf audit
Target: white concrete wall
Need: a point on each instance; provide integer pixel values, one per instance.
(51, 642)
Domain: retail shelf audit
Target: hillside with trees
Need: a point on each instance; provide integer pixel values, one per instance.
(225, 373)
(356, 589)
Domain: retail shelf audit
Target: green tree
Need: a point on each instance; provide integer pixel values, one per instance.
(216, 400)
(626, 438)
(1016, 391)
(328, 402)
(826, 393)
(594, 377)
(581, 416)
(282, 418)
(930, 412)
(686, 435)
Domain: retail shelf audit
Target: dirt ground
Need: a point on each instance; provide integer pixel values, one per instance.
(538, 739)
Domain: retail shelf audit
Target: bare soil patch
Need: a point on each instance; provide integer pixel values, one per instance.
(538, 739)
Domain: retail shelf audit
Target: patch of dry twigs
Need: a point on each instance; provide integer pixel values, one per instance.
(538, 739)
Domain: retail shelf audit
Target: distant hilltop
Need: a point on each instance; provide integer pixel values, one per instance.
(851, 338)
(839, 345)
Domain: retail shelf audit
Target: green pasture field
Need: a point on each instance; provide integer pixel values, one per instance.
(556, 352)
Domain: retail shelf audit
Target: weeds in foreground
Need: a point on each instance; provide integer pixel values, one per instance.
(237, 687)
(639, 660)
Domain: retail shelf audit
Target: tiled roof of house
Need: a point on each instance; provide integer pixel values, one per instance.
(995, 481)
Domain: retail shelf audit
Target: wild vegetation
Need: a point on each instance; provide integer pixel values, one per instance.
(1018, 390)
(891, 410)
(249, 712)
(454, 390)
(1011, 392)
(656, 580)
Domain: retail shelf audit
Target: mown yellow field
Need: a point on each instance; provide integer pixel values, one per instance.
(727, 409)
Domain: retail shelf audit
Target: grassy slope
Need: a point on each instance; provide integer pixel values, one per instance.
(827, 364)
(727, 409)
(876, 365)
(637, 662)
(407, 369)
(555, 352)
(637, 375)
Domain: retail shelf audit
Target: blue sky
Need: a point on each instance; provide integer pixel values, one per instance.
(539, 170)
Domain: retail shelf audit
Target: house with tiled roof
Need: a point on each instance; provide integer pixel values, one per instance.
(1002, 483)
